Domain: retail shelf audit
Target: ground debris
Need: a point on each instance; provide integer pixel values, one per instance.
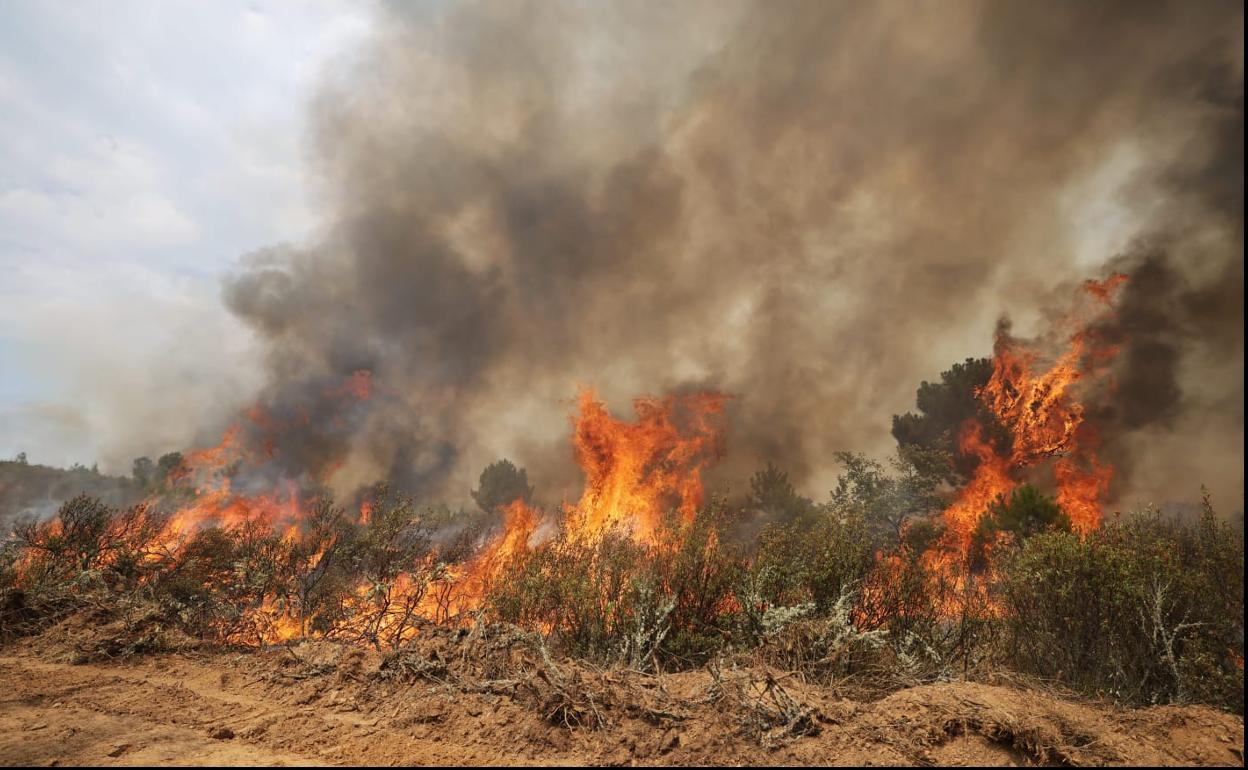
(498, 695)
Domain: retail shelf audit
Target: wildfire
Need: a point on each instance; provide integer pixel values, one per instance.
(207, 474)
(1041, 409)
(471, 583)
(358, 386)
(637, 471)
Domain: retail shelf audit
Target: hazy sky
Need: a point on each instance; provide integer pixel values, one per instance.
(143, 148)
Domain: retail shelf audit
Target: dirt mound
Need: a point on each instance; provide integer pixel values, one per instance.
(497, 696)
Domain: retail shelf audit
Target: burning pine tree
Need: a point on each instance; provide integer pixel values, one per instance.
(1035, 397)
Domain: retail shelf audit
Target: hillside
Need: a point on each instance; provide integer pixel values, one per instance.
(26, 488)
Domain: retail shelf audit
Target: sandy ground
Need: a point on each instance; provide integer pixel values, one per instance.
(325, 705)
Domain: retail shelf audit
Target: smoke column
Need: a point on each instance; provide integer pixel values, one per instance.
(808, 206)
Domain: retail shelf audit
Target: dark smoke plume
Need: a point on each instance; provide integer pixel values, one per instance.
(809, 206)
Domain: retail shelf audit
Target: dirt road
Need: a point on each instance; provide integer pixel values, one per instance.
(179, 712)
(233, 710)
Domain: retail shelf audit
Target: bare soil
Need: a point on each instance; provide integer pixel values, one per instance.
(462, 698)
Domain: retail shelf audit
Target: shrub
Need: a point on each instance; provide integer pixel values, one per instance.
(612, 599)
(700, 572)
(1026, 512)
(390, 556)
(811, 559)
(89, 537)
(822, 647)
(219, 580)
(318, 576)
(936, 609)
(1146, 610)
(1010, 521)
(581, 592)
(889, 500)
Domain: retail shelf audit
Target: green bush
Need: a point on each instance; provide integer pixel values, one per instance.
(1026, 512)
(612, 599)
(1010, 521)
(1146, 610)
(811, 559)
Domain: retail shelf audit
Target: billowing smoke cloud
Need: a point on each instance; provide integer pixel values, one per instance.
(808, 206)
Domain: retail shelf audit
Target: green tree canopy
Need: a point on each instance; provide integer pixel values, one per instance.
(772, 493)
(500, 484)
(1026, 512)
(143, 470)
(942, 409)
(167, 464)
(887, 497)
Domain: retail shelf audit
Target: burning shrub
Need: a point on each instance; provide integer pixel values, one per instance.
(936, 609)
(10, 552)
(884, 585)
(581, 592)
(826, 563)
(700, 572)
(876, 540)
(89, 555)
(388, 559)
(318, 578)
(224, 583)
(89, 540)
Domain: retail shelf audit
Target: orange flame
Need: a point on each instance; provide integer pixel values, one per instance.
(473, 581)
(1042, 410)
(992, 477)
(637, 471)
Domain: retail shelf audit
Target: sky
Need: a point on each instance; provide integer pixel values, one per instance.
(144, 148)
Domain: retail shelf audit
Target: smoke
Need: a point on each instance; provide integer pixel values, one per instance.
(808, 206)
